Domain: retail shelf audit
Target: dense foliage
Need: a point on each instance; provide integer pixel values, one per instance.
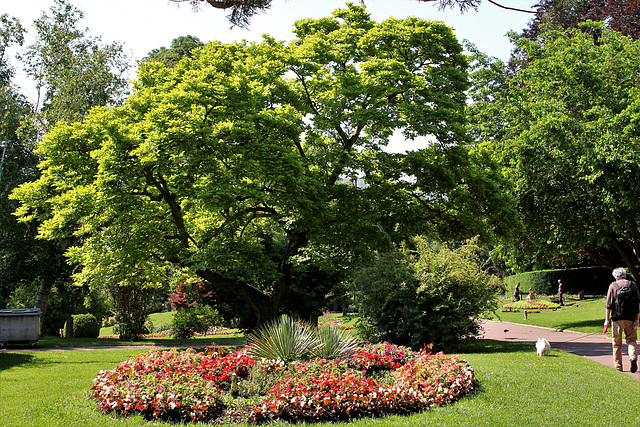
(198, 319)
(565, 128)
(190, 386)
(73, 72)
(619, 15)
(243, 143)
(429, 294)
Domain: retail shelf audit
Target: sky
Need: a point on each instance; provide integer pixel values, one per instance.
(144, 25)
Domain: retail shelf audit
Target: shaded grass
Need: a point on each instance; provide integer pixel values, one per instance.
(583, 316)
(48, 342)
(517, 388)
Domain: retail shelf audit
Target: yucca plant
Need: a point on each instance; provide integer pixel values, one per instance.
(283, 339)
(333, 342)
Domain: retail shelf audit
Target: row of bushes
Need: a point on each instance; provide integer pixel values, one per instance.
(590, 280)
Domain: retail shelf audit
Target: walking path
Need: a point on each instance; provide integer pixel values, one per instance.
(596, 347)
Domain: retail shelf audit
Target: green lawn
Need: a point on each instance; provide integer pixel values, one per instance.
(517, 388)
(581, 316)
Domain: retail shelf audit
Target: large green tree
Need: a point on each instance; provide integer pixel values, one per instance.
(244, 141)
(566, 129)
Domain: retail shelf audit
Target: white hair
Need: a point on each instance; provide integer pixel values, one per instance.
(619, 272)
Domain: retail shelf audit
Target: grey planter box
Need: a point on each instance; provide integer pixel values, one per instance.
(19, 326)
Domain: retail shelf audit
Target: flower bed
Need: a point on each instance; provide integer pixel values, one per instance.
(536, 304)
(215, 331)
(376, 380)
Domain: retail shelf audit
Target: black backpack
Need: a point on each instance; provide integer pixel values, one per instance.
(625, 305)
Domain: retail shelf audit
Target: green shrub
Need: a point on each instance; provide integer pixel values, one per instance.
(194, 320)
(430, 295)
(85, 326)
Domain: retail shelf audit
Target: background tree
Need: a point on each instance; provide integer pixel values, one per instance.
(17, 165)
(429, 295)
(619, 15)
(73, 73)
(181, 47)
(565, 129)
(250, 140)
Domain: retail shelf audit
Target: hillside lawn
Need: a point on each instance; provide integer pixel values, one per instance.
(585, 315)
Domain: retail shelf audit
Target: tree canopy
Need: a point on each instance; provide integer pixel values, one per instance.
(620, 15)
(248, 142)
(565, 129)
(73, 71)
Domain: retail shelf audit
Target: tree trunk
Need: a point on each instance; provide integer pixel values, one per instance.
(265, 304)
(42, 299)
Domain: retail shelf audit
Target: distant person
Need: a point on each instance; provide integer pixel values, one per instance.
(530, 297)
(623, 312)
(516, 292)
(560, 292)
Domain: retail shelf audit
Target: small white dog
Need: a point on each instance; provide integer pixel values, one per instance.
(542, 347)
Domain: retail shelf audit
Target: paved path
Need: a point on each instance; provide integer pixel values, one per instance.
(592, 346)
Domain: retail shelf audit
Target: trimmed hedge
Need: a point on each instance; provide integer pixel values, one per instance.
(591, 280)
(85, 326)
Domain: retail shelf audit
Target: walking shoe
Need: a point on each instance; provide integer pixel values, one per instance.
(634, 366)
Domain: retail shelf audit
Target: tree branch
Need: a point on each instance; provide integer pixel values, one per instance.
(600, 260)
(510, 8)
(630, 264)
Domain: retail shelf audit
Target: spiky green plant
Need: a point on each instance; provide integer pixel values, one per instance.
(333, 342)
(283, 339)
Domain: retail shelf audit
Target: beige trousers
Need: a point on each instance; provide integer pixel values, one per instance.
(630, 335)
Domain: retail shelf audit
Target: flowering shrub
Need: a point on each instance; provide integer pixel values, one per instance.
(173, 385)
(217, 387)
(433, 380)
(382, 356)
(324, 396)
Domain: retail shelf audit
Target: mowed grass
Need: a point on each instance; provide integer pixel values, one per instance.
(581, 316)
(517, 388)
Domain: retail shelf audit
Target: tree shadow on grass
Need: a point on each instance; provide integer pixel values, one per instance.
(571, 326)
(493, 346)
(9, 360)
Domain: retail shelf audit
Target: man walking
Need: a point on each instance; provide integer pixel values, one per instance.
(560, 292)
(623, 310)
